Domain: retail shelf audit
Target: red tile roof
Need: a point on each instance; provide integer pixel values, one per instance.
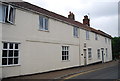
(37, 9)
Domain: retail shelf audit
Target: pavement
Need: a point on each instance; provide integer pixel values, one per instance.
(61, 74)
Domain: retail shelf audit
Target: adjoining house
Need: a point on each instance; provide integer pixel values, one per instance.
(35, 40)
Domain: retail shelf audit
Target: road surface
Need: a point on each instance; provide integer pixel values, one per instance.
(112, 73)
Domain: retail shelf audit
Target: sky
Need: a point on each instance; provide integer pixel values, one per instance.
(103, 14)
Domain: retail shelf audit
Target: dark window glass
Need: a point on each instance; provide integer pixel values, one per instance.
(10, 46)
(63, 57)
(10, 61)
(63, 52)
(4, 53)
(16, 46)
(10, 53)
(16, 53)
(4, 45)
(15, 60)
(46, 24)
(41, 22)
(66, 52)
(4, 61)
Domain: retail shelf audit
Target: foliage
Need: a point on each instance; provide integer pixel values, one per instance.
(116, 47)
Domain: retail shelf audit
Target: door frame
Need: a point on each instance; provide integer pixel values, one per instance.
(102, 51)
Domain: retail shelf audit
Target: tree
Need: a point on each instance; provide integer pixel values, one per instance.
(116, 47)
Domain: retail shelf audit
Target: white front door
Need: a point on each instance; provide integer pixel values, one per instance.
(103, 55)
(85, 58)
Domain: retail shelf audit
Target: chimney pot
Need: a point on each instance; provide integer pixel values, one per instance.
(71, 16)
(86, 20)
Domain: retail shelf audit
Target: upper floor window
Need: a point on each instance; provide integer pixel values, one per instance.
(96, 36)
(75, 31)
(109, 41)
(7, 14)
(105, 40)
(10, 54)
(43, 21)
(87, 35)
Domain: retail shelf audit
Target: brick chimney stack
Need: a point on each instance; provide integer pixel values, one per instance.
(71, 16)
(86, 20)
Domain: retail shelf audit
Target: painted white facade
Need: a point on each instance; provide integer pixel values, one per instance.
(41, 51)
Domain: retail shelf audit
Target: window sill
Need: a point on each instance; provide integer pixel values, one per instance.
(87, 39)
(43, 30)
(76, 37)
(11, 65)
(65, 60)
(8, 23)
(89, 58)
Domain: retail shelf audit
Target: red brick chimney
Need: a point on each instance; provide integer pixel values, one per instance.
(71, 16)
(86, 20)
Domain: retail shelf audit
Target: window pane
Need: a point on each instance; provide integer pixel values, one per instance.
(4, 53)
(16, 53)
(6, 13)
(66, 52)
(11, 46)
(63, 57)
(2, 12)
(5, 45)
(10, 53)
(10, 61)
(46, 24)
(16, 46)
(87, 35)
(15, 60)
(41, 22)
(74, 31)
(4, 61)
(63, 48)
(63, 52)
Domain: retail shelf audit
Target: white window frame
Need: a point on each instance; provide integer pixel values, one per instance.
(12, 57)
(44, 26)
(89, 53)
(98, 53)
(9, 12)
(65, 56)
(75, 32)
(87, 35)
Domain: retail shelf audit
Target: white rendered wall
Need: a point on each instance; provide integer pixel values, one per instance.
(40, 51)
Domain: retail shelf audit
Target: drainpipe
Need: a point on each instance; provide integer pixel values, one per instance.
(0, 50)
(79, 49)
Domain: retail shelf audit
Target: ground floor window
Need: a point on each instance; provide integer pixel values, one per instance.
(98, 52)
(65, 53)
(106, 52)
(89, 53)
(10, 53)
